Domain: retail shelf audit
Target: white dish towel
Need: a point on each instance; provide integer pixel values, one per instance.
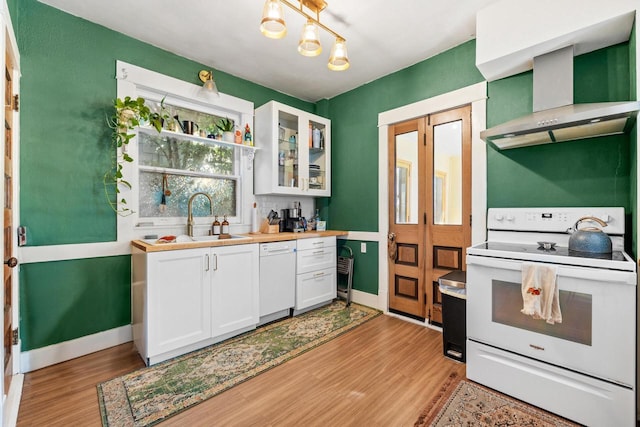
(540, 294)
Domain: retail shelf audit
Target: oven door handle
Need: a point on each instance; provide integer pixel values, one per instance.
(584, 273)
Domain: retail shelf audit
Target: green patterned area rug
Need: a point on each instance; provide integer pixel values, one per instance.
(150, 395)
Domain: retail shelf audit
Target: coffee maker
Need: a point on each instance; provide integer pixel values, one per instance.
(292, 219)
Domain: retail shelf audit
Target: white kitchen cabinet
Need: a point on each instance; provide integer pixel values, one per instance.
(183, 300)
(178, 305)
(235, 288)
(294, 155)
(316, 282)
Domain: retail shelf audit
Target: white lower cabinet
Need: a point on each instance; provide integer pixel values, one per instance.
(183, 300)
(315, 273)
(235, 288)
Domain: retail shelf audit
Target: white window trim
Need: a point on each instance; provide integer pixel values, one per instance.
(135, 81)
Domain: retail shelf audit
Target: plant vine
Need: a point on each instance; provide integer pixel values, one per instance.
(128, 114)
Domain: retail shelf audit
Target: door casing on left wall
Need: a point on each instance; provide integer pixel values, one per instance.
(11, 387)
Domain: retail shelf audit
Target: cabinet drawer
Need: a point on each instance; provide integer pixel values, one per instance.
(316, 243)
(315, 288)
(317, 259)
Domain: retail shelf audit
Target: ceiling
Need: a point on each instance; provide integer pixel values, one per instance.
(382, 37)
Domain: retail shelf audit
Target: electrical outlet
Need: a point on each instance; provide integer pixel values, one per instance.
(363, 247)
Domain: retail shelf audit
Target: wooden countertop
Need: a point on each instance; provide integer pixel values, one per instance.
(251, 238)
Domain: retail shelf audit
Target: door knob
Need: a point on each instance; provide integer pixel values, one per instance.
(11, 262)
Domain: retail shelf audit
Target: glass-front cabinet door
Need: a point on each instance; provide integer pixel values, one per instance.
(293, 154)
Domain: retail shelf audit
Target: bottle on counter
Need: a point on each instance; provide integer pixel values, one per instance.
(215, 228)
(316, 218)
(225, 226)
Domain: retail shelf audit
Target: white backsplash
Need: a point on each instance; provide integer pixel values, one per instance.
(265, 205)
(276, 203)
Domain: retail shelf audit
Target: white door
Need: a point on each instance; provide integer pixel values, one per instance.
(11, 383)
(179, 298)
(235, 288)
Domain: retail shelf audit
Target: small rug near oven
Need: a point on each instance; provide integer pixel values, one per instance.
(150, 395)
(464, 403)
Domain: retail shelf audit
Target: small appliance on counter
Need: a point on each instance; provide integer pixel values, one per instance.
(292, 219)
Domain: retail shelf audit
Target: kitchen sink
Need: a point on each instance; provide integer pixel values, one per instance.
(183, 238)
(208, 238)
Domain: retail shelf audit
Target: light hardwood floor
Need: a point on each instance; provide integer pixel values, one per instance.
(382, 373)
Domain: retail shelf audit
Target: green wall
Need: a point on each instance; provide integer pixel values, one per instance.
(67, 89)
(64, 140)
(365, 270)
(63, 300)
(354, 130)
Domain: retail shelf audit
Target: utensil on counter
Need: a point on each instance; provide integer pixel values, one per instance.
(590, 239)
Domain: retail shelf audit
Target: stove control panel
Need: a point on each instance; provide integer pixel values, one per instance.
(556, 220)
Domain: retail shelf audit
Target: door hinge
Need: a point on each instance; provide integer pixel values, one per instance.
(470, 219)
(424, 139)
(16, 102)
(14, 337)
(425, 218)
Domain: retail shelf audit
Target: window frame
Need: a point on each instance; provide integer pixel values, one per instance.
(135, 81)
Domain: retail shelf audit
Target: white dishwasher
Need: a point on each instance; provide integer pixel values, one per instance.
(277, 280)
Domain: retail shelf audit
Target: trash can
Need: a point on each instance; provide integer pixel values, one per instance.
(454, 314)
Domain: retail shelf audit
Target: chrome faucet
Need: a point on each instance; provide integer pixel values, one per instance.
(190, 213)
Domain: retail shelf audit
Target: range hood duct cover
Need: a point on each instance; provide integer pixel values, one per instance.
(555, 118)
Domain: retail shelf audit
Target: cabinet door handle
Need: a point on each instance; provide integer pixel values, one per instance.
(207, 262)
(318, 275)
(318, 243)
(215, 262)
(318, 252)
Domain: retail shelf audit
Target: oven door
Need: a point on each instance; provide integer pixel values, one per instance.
(598, 330)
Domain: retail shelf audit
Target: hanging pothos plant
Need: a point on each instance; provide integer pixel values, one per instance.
(128, 114)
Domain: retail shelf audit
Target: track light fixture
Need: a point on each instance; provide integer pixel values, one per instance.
(273, 26)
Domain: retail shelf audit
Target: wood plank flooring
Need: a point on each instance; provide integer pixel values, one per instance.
(382, 373)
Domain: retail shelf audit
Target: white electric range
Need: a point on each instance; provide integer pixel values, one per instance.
(583, 368)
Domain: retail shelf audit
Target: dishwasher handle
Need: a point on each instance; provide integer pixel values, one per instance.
(278, 251)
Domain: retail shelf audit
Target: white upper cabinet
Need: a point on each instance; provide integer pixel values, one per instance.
(294, 155)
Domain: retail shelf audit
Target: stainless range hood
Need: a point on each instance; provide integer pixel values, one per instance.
(555, 117)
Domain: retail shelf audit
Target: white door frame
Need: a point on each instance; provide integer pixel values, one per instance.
(475, 95)
(9, 407)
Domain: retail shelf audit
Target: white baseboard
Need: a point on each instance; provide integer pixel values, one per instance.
(56, 353)
(365, 298)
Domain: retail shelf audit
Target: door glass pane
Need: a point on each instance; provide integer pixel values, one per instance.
(406, 178)
(287, 150)
(447, 173)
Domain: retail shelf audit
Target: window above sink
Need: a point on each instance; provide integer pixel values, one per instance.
(178, 164)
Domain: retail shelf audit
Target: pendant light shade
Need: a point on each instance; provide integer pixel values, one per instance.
(338, 60)
(272, 24)
(309, 44)
(209, 87)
